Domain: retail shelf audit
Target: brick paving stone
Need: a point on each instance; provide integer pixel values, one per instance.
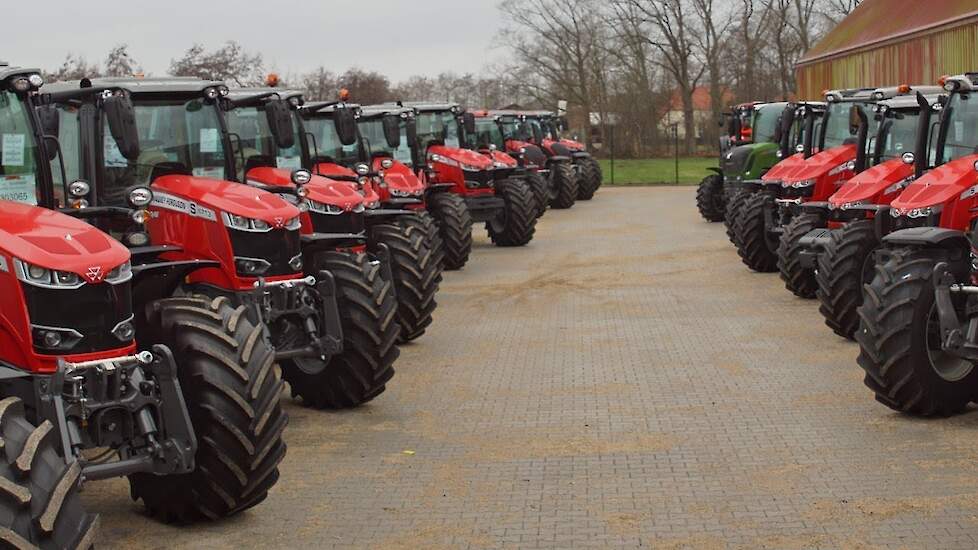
(623, 381)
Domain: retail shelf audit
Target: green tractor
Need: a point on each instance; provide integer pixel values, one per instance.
(748, 150)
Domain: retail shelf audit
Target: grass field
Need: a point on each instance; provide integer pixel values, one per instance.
(658, 171)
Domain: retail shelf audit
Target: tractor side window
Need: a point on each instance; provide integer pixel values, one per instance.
(962, 127)
(69, 136)
(19, 153)
(765, 123)
(901, 137)
(327, 142)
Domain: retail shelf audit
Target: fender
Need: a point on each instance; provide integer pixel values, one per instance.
(161, 278)
(581, 154)
(716, 170)
(558, 158)
(929, 237)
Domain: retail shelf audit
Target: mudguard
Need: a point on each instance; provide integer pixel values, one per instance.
(928, 236)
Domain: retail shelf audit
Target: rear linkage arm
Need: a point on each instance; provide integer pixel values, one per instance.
(955, 338)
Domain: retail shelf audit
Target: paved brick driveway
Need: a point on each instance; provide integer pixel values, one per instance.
(623, 381)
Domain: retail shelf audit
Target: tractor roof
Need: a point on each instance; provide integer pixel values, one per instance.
(961, 82)
(909, 102)
(241, 96)
(371, 111)
(851, 94)
(166, 84)
(430, 106)
(325, 107)
(7, 71)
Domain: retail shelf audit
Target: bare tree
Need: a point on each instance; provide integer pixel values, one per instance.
(73, 68)
(712, 26)
(319, 85)
(366, 86)
(229, 63)
(119, 63)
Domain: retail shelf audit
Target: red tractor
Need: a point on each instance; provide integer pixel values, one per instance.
(268, 135)
(525, 134)
(334, 352)
(841, 251)
(530, 160)
(490, 191)
(918, 331)
(586, 167)
(91, 336)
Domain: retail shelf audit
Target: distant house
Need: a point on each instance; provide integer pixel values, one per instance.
(703, 118)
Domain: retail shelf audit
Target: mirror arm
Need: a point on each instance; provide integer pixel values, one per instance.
(315, 150)
(61, 160)
(235, 137)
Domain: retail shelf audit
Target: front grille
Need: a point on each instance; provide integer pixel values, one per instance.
(480, 178)
(92, 310)
(906, 222)
(347, 222)
(276, 247)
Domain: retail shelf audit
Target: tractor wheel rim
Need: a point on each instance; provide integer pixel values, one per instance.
(949, 367)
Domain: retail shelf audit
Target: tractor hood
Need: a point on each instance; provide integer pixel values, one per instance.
(332, 169)
(320, 188)
(557, 148)
(400, 178)
(877, 185)
(532, 155)
(830, 162)
(939, 186)
(502, 160)
(734, 162)
(785, 168)
(226, 196)
(57, 241)
(572, 144)
(465, 159)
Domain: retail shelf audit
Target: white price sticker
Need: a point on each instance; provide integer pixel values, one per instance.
(213, 172)
(18, 189)
(113, 157)
(13, 150)
(209, 140)
(293, 163)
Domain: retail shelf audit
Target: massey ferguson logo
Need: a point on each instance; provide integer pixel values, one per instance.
(279, 222)
(94, 274)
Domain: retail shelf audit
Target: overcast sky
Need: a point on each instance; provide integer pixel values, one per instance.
(397, 37)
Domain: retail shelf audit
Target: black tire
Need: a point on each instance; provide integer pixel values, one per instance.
(541, 192)
(798, 279)
(233, 390)
(423, 221)
(455, 226)
(563, 185)
(844, 267)
(368, 316)
(710, 198)
(758, 250)
(416, 275)
(589, 179)
(39, 502)
(898, 347)
(517, 222)
(735, 201)
(598, 174)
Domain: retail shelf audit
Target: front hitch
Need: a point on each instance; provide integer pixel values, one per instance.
(955, 339)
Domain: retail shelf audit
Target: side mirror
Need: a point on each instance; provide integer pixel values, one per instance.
(50, 120)
(121, 117)
(855, 120)
(345, 121)
(468, 123)
(280, 121)
(392, 130)
(412, 131)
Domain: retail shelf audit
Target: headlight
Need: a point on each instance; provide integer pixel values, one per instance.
(403, 193)
(925, 212)
(242, 223)
(779, 154)
(798, 184)
(251, 267)
(469, 167)
(211, 93)
(301, 176)
(362, 169)
(522, 150)
(293, 224)
(140, 196)
(41, 276)
(853, 204)
(324, 208)
(387, 164)
(79, 188)
(799, 148)
(120, 274)
(908, 158)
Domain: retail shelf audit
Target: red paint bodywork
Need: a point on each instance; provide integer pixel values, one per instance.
(55, 241)
(785, 168)
(320, 188)
(945, 186)
(823, 167)
(450, 172)
(204, 239)
(868, 186)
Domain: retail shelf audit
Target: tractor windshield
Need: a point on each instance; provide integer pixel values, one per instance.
(253, 141)
(19, 159)
(175, 135)
(960, 127)
(766, 121)
(487, 133)
(438, 127)
(837, 131)
(324, 142)
(374, 141)
(900, 136)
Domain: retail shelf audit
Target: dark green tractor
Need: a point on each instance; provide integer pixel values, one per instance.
(749, 149)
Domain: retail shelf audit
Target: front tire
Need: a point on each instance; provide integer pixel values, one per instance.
(368, 316)
(758, 250)
(423, 221)
(455, 226)
(734, 203)
(232, 389)
(563, 185)
(798, 279)
(541, 192)
(589, 181)
(709, 198)
(517, 222)
(416, 276)
(39, 502)
(844, 267)
(899, 343)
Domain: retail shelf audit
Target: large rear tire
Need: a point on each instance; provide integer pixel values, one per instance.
(368, 316)
(517, 222)
(541, 192)
(589, 179)
(844, 267)
(899, 340)
(455, 226)
(232, 389)
(39, 502)
(798, 279)
(563, 185)
(416, 275)
(710, 198)
(735, 201)
(757, 249)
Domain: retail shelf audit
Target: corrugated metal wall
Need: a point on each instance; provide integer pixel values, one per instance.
(918, 60)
